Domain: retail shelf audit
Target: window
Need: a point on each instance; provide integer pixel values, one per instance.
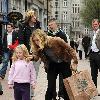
(65, 16)
(56, 3)
(76, 8)
(64, 3)
(65, 28)
(56, 14)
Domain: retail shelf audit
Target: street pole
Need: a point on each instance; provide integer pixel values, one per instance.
(25, 5)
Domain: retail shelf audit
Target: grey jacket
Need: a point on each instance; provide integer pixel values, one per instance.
(97, 40)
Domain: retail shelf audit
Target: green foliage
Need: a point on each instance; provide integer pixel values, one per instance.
(90, 11)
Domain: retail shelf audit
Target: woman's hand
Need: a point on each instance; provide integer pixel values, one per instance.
(74, 67)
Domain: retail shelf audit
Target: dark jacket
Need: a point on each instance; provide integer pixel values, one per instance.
(14, 38)
(0, 50)
(86, 42)
(59, 33)
(25, 33)
(0, 45)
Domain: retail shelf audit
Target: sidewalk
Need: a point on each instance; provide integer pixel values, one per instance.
(42, 83)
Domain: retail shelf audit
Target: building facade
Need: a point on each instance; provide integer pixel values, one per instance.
(40, 6)
(67, 12)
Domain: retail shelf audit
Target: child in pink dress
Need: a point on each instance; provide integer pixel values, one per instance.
(21, 74)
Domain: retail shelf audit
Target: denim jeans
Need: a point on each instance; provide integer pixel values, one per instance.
(6, 58)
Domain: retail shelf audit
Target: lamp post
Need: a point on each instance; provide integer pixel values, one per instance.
(56, 5)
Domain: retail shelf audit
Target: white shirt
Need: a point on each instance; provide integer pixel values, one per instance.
(9, 39)
(94, 47)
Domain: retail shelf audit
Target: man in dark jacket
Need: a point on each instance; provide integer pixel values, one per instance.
(54, 30)
(86, 44)
(0, 49)
(9, 38)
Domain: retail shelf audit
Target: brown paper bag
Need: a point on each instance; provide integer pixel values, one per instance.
(80, 86)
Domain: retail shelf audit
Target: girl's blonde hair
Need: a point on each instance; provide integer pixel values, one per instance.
(27, 57)
(42, 36)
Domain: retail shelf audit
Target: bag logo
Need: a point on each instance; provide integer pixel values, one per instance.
(81, 85)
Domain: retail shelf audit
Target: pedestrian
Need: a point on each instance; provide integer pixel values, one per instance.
(9, 39)
(1, 49)
(86, 44)
(1, 90)
(72, 43)
(56, 54)
(29, 25)
(95, 51)
(80, 48)
(56, 31)
(21, 74)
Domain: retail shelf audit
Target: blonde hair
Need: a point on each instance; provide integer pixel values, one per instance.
(29, 14)
(27, 57)
(42, 36)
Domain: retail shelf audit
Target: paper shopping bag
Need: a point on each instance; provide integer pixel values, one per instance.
(80, 86)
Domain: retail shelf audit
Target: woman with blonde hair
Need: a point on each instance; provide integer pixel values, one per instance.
(56, 55)
(22, 73)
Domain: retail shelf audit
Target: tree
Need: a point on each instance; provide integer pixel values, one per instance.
(90, 11)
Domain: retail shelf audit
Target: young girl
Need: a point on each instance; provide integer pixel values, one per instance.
(21, 74)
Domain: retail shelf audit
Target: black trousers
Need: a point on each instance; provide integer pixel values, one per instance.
(80, 54)
(95, 65)
(86, 51)
(22, 91)
(53, 70)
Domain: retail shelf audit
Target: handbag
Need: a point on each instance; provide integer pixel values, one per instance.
(80, 86)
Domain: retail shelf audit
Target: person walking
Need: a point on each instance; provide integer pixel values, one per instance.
(95, 51)
(21, 74)
(86, 44)
(55, 31)
(56, 55)
(1, 90)
(80, 48)
(10, 38)
(0, 49)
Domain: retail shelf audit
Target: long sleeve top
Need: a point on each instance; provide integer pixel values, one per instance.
(22, 72)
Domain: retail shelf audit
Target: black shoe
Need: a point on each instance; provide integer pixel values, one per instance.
(1, 92)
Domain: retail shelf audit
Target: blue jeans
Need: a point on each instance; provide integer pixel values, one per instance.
(6, 58)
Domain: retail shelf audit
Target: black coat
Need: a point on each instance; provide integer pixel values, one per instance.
(86, 42)
(59, 33)
(0, 45)
(25, 33)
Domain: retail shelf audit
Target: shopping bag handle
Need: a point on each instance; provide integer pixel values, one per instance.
(74, 71)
